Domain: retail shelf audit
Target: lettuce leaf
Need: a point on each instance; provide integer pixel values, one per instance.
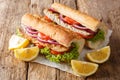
(99, 36)
(65, 57)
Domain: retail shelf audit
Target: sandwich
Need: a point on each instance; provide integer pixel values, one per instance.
(56, 43)
(91, 29)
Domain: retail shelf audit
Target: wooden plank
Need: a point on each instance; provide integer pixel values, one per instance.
(101, 9)
(38, 71)
(98, 8)
(37, 6)
(67, 76)
(41, 72)
(10, 12)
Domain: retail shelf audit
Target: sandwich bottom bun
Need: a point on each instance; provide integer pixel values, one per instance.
(94, 45)
(80, 43)
(97, 44)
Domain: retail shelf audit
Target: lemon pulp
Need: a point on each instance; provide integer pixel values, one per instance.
(26, 54)
(99, 56)
(83, 68)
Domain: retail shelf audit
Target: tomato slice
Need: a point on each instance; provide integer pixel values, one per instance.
(40, 46)
(70, 21)
(88, 37)
(48, 19)
(55, 52)
(43, 36)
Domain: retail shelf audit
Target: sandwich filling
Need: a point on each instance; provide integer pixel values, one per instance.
(54, 16)
(50, 48)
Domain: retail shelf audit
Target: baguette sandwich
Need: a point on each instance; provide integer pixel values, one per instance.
(91, 29)
(56, 43)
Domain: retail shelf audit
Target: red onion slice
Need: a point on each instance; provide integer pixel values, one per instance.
(45, 41)
(84, 28)
(41, 40)
(78, 26)
(30, 30)
(32, 35)
(51, 9)
(53, 42)
(61, 17)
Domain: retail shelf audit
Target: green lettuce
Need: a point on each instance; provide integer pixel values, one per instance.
(99, 36)
(65, 57)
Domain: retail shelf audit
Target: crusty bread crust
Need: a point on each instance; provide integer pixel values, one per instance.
(61, 35)
(76, 15)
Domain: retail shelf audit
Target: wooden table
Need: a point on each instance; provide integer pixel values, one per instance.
(10, 16)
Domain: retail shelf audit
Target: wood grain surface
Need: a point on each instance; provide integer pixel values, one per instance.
(10, 15)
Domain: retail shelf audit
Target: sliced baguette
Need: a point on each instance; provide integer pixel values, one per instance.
(55, 18)
(61, 35)
(82, 18)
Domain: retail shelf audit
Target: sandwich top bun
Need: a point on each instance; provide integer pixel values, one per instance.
(61, 35)
(76, 15)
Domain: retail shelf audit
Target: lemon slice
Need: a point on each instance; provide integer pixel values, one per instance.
(99, 56)
(83, 68)
(16, 42)
(26, 54)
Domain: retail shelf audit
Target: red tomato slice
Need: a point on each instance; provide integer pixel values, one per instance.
(70, 21)
(55, 52)
(40, 46)
(48, 19)
(43, 36)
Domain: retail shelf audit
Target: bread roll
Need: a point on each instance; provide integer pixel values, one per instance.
(82, 18)
(60, 34)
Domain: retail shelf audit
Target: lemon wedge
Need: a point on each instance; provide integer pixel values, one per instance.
(16, 42)
(100, 55)
(26, 54)
(83, 68)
